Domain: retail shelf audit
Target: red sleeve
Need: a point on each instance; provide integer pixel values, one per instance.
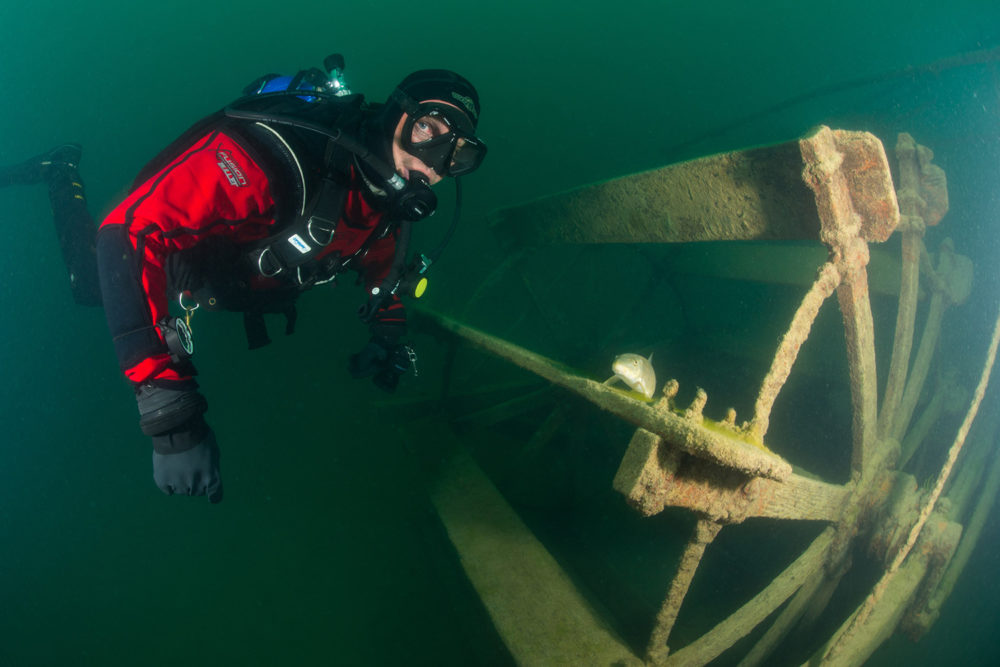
(211, 189)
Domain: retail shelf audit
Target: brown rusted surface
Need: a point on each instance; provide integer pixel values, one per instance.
(867, 181)
(849, 218)
(653, 476)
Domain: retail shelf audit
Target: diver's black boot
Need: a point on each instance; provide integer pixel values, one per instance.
(39, 168)
(75, 227)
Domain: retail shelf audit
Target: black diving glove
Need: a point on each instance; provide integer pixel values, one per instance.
(383, 360)
(185, 453)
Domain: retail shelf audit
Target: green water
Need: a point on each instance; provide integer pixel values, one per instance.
(326, 549)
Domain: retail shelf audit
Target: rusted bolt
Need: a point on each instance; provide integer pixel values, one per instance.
(697, 405)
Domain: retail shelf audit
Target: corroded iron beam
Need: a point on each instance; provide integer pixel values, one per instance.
(757, 193)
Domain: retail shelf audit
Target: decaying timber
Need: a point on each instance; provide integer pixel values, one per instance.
(755, 194)
(833, 187)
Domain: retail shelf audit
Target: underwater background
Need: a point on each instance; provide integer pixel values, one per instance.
(326, 549)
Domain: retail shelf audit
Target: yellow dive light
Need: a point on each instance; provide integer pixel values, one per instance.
(418, 289)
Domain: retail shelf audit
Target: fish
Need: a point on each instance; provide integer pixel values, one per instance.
(635, 371)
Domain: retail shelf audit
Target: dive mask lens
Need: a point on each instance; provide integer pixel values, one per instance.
(467, 156)
(432, 141)
(442, 137)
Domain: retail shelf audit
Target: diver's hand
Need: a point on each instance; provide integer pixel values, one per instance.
(185, 454)
(383, 360)
(186, 461)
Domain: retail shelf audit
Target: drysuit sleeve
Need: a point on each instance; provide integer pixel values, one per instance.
(389, 320)
(213, 188)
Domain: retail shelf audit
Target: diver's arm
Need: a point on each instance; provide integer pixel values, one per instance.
(389, 320)
(384, 359)
(213, 188)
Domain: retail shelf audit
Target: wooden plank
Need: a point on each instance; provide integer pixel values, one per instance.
(752, 194)
(749, 194)
(537, 610)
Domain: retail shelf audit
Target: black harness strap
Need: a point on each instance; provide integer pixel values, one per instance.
(305, 236)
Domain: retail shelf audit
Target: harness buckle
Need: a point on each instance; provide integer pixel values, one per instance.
(187, 309)
(321, 230)
(271, 261)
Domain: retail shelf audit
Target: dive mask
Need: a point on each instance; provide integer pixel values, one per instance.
(441, 136)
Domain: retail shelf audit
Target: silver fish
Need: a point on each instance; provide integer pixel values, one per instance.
(635, 371)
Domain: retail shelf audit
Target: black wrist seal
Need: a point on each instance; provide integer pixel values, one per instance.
(162, 410)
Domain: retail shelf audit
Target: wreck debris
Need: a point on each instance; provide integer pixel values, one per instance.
(865, 611)
(842, 195)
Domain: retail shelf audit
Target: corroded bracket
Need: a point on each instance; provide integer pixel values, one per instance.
(653, 475)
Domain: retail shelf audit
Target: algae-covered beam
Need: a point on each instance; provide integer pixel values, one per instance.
(538, 611)
(725, 449)
(749, 194)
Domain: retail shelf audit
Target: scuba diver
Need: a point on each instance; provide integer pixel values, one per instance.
(287, 187)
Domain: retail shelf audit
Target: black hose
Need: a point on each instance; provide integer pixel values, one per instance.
(434, 254)
(335, 135)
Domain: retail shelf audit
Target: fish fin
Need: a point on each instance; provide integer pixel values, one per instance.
(611, 380)
(650, 358)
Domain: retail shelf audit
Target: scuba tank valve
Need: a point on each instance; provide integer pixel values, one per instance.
(334, 66)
